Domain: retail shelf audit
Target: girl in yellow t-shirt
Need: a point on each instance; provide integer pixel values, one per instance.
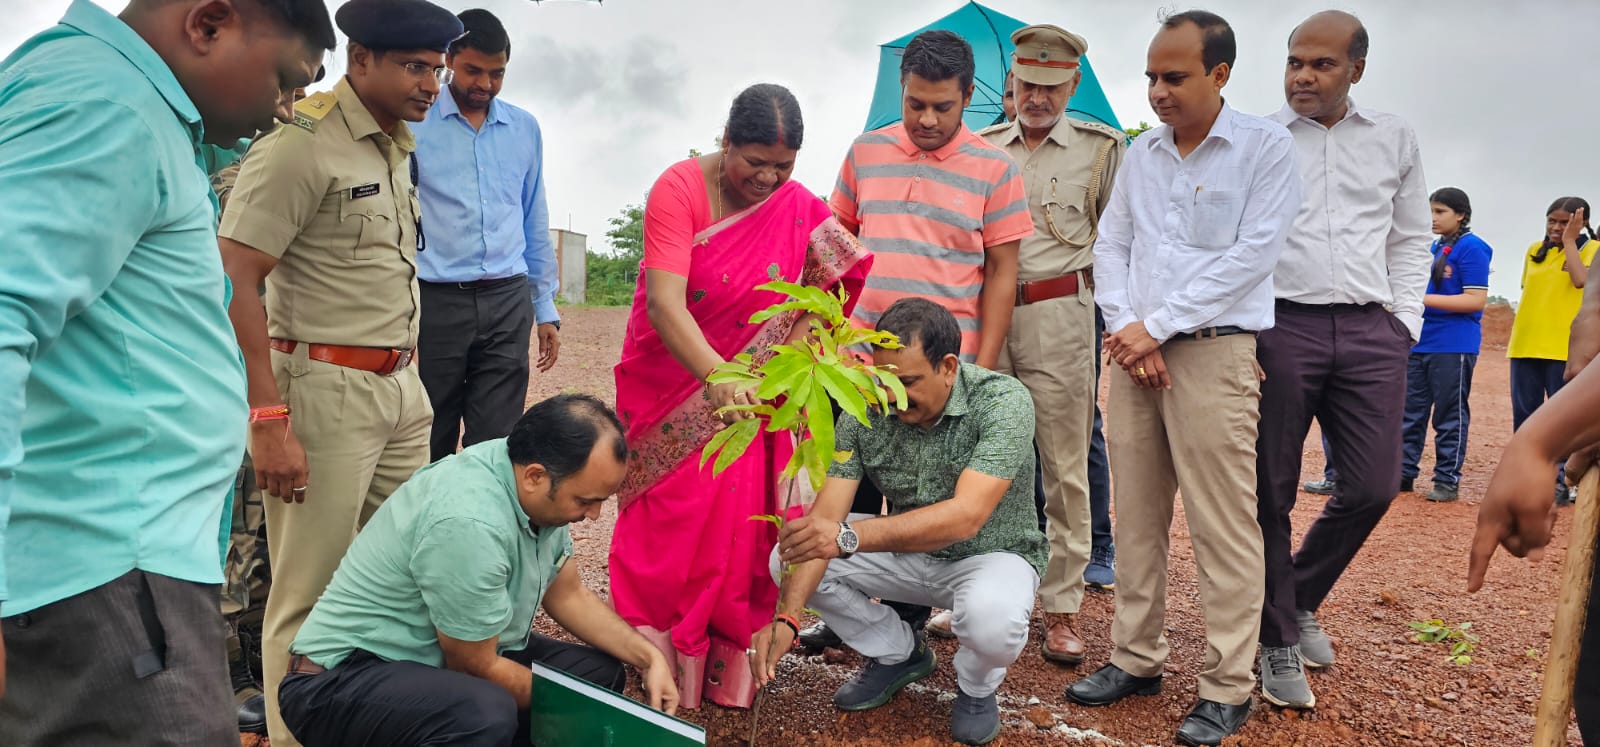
(1552, 288)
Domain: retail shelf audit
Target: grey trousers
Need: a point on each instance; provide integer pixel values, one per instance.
(990, 598)
(137, 661)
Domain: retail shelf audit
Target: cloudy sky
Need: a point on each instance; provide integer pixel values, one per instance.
(1502, 95)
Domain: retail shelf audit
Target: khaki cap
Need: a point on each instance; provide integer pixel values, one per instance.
(1046, 55)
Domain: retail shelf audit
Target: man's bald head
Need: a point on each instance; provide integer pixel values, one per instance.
(1337, 22)
(1327, 55)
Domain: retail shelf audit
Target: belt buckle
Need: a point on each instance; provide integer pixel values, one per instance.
(1022, 294)
(402, 359)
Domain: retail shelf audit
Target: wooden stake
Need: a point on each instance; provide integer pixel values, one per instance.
(1561, 666)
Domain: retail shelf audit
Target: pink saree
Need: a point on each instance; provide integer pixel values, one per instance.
(688, 567)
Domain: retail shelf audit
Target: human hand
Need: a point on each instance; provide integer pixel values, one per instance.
(549, 346)
(1574, 227)
(280, 460)
(659, 685)
(808, 538)
(1518, 511)
(731, 393)
(1150, 371)
(767, 646)
(1130, 343)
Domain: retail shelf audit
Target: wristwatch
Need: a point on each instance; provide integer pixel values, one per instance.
(847, 539)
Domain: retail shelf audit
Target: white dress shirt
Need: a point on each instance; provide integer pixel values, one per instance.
(1363, 233)
(1190, 243)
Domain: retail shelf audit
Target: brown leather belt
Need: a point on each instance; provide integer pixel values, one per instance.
(299, 664)
(1034, 291)
(382, 361)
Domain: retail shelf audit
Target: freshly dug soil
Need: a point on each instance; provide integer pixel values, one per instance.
(1385, 689)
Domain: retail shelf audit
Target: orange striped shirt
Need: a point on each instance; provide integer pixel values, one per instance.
(928, 216)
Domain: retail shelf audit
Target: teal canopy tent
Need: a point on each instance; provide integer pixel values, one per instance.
(989, 33)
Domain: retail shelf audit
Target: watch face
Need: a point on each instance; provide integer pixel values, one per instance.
(847, 539)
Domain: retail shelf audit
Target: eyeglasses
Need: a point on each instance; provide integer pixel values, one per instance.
(419, 70)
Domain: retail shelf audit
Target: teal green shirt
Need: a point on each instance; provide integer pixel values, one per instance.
(986, 426)
(452, 550)
(122, 392)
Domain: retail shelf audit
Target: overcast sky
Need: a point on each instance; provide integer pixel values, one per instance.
(1503, 95)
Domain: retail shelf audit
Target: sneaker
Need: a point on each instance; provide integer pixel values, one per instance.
(1315, 648)
(1101, 573)
(1408, 484)
(1444, 493)
(974, 720)
(817, 637)
(1564, 495)
(876, 683)
(1283, 678)
(1320, 487)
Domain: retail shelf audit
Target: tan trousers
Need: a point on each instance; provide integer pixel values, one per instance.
(1198, 438)
(364, 434)
(1050, 349)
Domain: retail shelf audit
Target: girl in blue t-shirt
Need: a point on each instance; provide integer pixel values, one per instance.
(1439, 372)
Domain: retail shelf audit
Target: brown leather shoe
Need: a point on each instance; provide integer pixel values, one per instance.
(1061, 642)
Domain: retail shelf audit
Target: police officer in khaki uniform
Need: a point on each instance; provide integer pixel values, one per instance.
(325, 211)
(1068, 166)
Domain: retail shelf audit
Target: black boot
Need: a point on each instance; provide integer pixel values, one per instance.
(246, 693)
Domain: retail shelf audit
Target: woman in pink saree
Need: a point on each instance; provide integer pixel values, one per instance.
(688, 566)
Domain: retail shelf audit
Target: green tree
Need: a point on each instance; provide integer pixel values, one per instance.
(1134, 132)
(611, 275)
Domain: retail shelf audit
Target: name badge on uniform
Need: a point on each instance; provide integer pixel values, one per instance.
(364, 190)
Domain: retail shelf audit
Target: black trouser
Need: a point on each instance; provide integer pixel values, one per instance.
(472, 355)
(1344, 366)
(1586, 691)
(137, 660)
(368, 701)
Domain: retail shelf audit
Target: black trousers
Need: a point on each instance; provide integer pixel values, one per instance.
(1345, 366)
(368, 701)
(137, 660)
(472, 355)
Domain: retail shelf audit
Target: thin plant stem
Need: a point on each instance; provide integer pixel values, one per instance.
(761, 694)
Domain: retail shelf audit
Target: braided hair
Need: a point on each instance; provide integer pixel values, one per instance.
(1456, 200)
(1569, 205)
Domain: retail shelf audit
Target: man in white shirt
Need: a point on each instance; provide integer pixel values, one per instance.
(1349, 302)
(1183, 275)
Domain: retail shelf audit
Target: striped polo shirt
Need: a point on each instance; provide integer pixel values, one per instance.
(927, 216)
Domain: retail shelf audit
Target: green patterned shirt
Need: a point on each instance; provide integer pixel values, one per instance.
(987, 426)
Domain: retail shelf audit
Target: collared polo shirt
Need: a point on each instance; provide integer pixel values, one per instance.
(987, 427)
(122, 393)
(1549, 304)
(1466, 268)
(927, 217)
(453, 551)
(483, 200)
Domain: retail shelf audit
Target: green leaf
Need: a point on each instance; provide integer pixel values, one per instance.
(841, 390)
(715, 445)
(819, 421)
(744, 432)
(896, 388)
(1464, 626)
(782, 373)
(788, 415)
(779, 310)
(772, 519)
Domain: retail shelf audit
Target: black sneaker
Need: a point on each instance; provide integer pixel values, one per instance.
(1408, 484)
(1319, 487)
(877, 683)
(817, 637)
(1444, 492)
(975, 720)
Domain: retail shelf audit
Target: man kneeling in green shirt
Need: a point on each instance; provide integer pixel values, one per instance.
(424, 634)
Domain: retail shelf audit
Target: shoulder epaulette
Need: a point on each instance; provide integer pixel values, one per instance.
(996, 127)
(311, 109)
(1098, 128)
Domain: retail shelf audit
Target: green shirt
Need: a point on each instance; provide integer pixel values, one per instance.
(987, 426)
(451, 550)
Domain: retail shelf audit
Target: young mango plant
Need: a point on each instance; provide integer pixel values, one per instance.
(796, 389)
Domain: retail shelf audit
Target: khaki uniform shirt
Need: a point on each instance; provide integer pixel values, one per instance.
(331, 197)
(1057, 176)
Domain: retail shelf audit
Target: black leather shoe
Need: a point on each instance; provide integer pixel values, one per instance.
(1109, 684)
(253, 715)
(1211, 722)
(818, 637)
